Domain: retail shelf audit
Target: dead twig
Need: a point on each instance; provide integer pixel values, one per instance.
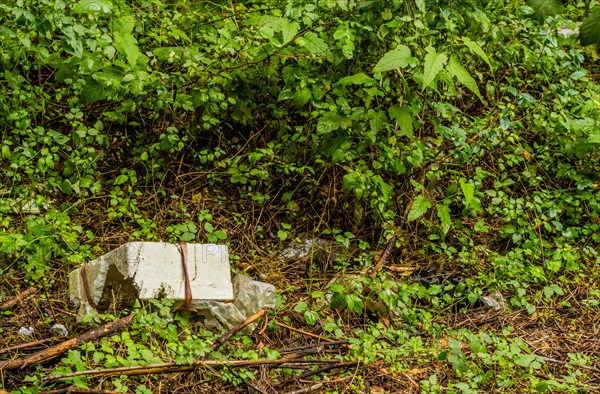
(309, 389)
(18, 298)
(384, 256)
(221, 340)
(57, 350)
(174, 367)
(25, 345)
(326, 368)
(302, 331)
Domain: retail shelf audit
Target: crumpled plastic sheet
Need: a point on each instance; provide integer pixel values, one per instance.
(249, 296)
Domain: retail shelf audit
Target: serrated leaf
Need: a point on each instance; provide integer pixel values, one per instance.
(313, 43)
(393, 60)
(434, 63)
(92, 91)
(356, 79)
(545, 8)
(329, 122)
(377, 119)
(589, 32)
(403, 116)
(443, 212)
(463, 76)
(124, 41)
(289, 31)
(418, 208)
(477, 50)
(302, 96)
(121, 179)
(468, 191)
(89, 6)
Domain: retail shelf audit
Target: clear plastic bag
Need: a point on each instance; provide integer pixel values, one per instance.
(249, 296)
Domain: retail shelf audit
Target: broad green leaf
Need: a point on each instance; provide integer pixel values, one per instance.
(468, 191)
(403, 116)
(434, 63)
(313, 43)
(443, 212)
(377, 119)
(418, 208)
(589, 32)
(463, 76)
(328, 123)
(302, 96)
(124, 41)
(92, 91)
(289, 31)
(545, 8)
(354, 182)
(393, 60)
(477, 50)
(89, 6)
(356, 79)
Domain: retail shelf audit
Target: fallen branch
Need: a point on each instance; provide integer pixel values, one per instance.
(309, 389)
(326, 368)
(57, 350)
(302, 331)
(384, 256)
(173, 367)
(221, 340)
(18, 298)
(25, 345)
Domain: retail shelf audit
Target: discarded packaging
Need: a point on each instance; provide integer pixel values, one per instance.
(60, 330)
(493, 301)
(250, 296)
(26, 331)
(145, 270)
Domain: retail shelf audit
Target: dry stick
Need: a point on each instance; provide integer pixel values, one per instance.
(302, 331)
(313, 345)
(232, 332)
(326, 368)
(25, 345)
(57, 350)
(384, 256)
(8, 304)
(309, 389)
(554, 360)
(174, 367)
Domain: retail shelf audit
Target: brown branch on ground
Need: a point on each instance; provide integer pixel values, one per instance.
(18, 298)
(57, 350)
(174, 367)
(309, 334)
(221, 340)
(25, 345)
(381, 260)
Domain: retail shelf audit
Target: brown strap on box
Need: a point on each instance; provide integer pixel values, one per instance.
(86, 287)
(186, 277)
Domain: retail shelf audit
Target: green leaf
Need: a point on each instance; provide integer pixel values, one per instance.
(476, 49)
(463, 76)
(92, 91)
(468, 191)
(393, 60)
(89, 6)
(589, 32)
(434, 63)
(328, 123)
(289, 30)
(377, 119)
(208, 227)
(124, 41)
(302, 96)
(418, 208)
(121, 179)
(356, 79)
(443, 212)
(313, 43)
(545, 8)
(403, 116)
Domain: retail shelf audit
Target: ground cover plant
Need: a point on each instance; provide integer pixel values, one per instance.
(442, 158)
